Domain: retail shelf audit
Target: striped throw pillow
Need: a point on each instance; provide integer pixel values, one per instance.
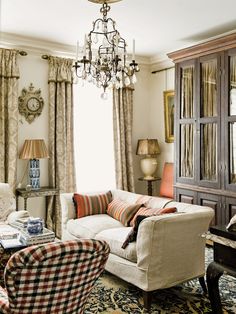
(122, 211)
(144, 211)
(86, 205)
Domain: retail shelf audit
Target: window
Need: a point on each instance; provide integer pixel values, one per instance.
(93, 139)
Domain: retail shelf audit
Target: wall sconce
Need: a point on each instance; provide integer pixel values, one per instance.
(33, 150)
(148, 148)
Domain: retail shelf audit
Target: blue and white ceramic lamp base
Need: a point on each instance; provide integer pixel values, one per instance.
(34, 174)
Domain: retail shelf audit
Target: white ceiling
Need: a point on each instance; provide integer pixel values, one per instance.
(158, 26)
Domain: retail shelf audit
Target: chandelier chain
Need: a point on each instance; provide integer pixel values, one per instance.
(104, 10)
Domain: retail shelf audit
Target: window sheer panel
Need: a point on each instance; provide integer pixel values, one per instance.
(187, 150)
(94, 148)
(209, 89)
(187, 84)
(209, 153)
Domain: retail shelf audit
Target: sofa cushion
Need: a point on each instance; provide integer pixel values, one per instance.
(143, 199)
(87, 205)
(115, 238)
(144, 211)
(122, 211)
(89, 226)
(153, 201)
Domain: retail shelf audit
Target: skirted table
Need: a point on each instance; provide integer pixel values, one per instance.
(5, 255)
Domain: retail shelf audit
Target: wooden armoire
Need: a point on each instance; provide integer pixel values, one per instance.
(205, 125)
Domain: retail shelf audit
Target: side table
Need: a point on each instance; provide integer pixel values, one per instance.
(149, 183)
(42, 192)
(224, 263)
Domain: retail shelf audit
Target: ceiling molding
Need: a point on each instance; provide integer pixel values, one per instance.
(160, 62)
(34, 46)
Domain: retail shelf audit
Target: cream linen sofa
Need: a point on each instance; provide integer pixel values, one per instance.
(169, 248)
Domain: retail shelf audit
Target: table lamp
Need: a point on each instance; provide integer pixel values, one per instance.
(33, 150)
(148, 148)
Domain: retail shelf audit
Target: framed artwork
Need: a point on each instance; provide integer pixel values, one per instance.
(169, 107)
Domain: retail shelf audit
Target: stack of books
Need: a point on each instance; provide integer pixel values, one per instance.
(31, 239)
(10, 237)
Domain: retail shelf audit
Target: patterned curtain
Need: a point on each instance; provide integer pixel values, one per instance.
(122, 124)
(61, 148)
(9, 75)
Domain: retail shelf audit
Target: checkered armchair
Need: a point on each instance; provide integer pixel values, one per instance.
(52, 278)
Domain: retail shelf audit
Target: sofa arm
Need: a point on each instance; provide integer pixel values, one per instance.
(67, 208)
(171, 246)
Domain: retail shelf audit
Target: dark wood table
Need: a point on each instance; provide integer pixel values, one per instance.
(149, 184)
(224, 263)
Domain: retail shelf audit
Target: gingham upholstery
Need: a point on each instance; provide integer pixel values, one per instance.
(52, 278)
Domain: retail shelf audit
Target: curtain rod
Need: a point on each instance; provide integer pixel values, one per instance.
(153, 72)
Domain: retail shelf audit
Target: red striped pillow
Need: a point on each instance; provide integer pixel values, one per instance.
(144, 211)
(87, 205)
(122, 211)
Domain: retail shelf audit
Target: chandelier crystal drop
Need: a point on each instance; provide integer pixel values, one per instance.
(104, 61)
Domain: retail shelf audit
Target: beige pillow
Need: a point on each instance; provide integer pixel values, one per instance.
(7, 206)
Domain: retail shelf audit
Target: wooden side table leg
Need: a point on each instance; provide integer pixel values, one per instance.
(149, 188)
(25, 203)
(46, 209)
(17, 202)
(213, 276)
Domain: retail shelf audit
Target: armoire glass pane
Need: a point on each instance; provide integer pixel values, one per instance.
(186, 151)
(232, 152)
(209, 88)
(209, 152)
(232, 86)
(187, 84)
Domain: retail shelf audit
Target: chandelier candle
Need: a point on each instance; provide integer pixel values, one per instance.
(77, 51)
(104, 61)
(133, 57)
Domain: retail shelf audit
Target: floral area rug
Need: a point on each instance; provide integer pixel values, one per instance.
(113, 295)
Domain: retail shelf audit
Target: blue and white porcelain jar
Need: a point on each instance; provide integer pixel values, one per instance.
(35, 225)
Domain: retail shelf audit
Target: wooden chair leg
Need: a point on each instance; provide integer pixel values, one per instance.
(147, 299)
(203, 284)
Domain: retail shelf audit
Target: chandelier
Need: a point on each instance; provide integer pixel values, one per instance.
(104, 61)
